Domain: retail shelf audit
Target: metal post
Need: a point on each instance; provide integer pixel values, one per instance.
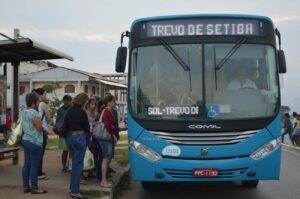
(15, 90)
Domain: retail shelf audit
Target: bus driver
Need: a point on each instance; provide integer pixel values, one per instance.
(241, 82)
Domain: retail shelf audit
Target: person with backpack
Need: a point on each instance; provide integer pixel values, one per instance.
(59, 130)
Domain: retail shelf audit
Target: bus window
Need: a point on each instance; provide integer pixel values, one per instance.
(247, 77)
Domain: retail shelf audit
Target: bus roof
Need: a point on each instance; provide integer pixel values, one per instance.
(200, 15)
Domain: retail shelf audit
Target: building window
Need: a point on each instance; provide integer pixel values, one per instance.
(86, 89)
(69, 89)
(94, 90)
(22, 90)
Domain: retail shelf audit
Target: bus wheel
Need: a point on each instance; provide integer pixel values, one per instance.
(250, 183)
(148, 185)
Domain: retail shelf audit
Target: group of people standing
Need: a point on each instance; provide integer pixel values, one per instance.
(78, 116)
(291, 126)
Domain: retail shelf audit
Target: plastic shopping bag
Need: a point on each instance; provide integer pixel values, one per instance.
(88, 163)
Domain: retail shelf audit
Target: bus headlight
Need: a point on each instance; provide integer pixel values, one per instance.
(144, 151)
(266, 149)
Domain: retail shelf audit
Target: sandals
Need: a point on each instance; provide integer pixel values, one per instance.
(38, 191)
(109, 185)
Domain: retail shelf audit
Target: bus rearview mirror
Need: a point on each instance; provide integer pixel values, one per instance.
(121, 59)
(281, 61)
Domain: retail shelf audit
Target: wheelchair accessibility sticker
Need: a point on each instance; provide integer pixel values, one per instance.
(213, 111)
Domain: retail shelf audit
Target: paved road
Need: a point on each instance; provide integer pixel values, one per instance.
(287, 188)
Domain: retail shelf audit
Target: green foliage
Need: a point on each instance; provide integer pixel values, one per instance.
(49, 88)
(54, 105)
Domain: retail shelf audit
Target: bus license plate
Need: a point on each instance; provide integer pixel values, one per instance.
(206, 172)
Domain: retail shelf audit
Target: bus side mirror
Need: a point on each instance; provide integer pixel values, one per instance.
(281, 61)
(121, 59)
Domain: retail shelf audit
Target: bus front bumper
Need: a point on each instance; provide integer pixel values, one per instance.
(181, 170)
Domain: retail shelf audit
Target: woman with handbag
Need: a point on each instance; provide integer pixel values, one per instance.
(77, 126)
(108, 120)
(32, 142)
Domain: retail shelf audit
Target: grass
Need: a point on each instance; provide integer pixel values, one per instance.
(94, 194)
(123, 137)
(52, 143)
(121, 156)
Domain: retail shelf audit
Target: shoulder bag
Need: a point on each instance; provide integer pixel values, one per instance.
(99, 131)
(16, 134)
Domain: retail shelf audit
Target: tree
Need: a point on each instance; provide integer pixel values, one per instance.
(54, 103)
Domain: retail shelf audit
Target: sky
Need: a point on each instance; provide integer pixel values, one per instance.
(89, 30)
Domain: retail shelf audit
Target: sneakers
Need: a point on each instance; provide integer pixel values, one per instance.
(65, 169)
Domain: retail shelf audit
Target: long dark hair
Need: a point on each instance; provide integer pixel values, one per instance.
(108, 98)
(100, 105)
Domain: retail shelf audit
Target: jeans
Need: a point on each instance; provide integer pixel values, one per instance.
(32, 158)
(45, 138)
(99, 164)
(77, 148)
(290, 135)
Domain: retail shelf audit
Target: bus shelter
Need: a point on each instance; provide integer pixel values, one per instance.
(13, 51)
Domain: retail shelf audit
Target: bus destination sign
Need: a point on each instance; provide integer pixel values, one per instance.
(193, 27)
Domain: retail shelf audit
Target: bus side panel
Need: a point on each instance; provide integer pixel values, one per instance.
(134, 130)
(269, 167)
(140, 168)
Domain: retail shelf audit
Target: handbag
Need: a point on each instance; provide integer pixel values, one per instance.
(99, 131)
(16, 134)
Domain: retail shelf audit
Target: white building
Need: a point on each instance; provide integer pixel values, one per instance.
(71, 81)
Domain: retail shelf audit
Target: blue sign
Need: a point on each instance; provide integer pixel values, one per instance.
(213, 111)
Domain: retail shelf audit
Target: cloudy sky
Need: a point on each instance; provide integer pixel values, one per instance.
(89, 30)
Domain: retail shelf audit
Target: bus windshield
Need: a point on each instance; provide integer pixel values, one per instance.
(245, 86)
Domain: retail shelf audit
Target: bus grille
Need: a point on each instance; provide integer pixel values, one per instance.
(212, 138)
(224, 173)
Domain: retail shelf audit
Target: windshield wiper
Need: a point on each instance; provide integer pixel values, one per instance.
(230, 53)
(169, 48)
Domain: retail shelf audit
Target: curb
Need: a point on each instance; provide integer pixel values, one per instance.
(118, 185)
(292, 147)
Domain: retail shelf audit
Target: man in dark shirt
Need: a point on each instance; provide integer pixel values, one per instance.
(60, 116)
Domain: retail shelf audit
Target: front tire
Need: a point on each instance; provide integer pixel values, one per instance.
(250, 183)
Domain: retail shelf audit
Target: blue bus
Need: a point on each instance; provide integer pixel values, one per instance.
(203, 98)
